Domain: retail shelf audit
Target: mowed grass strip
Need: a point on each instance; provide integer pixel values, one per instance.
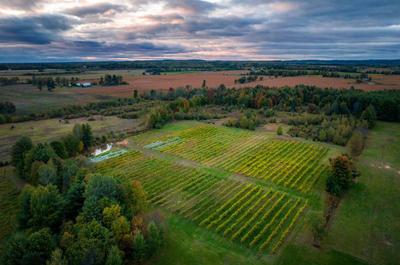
(244, 213)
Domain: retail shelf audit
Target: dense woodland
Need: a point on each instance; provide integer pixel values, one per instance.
(68, 215)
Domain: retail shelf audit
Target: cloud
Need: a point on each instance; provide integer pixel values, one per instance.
(33, 30)
(212, 29)
(25, 4)
(96, 9)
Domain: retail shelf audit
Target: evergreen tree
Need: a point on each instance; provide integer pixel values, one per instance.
(18, 153)
(87, 136)
(279, 131)
(114, 257)
(139, 247)
(369, 114)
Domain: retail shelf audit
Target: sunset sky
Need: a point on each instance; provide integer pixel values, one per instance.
(80, 30)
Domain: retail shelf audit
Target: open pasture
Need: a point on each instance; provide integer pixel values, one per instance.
(289, 163)
(251, 215)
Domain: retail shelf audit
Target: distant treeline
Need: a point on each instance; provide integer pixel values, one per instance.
(298, 99)
(112, 80)
(198, 65)
(346, 73)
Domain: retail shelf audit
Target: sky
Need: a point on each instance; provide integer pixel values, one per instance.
(86, 30)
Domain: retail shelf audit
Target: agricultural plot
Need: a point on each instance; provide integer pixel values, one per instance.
(292, 164)
(257, 217)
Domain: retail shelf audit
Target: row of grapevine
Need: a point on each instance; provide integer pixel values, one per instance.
(287, 163)
(245, 213)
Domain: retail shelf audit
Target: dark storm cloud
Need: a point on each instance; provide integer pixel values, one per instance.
(288, 29)
(32, 30)
(96, 9)
(77, 50)
(141, 48)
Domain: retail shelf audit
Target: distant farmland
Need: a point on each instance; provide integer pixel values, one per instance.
(214, 79)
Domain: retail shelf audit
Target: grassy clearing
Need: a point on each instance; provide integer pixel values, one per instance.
(47, 130)
(367, 222)
(29, 99)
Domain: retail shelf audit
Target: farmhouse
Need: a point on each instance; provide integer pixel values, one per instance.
(84, 84)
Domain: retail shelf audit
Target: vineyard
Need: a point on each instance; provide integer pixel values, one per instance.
(203, 189)
(288, 163)
(245, 213)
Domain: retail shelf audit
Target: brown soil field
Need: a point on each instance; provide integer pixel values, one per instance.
(214, 79)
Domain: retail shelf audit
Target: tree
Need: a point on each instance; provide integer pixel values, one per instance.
(139, 247)
(25, 206)
(59, 149)
(69, 171)
(77, 131)
(87, 136)
(56, 258)
(114, 257)
(121, 230)
(71, 144)
(155, 238)
(74, 200)
(14, 250)
(369, 114)
(50, 84)
(279, 131)
(7, 107)
(110, 214)
(356, 143)
(341, 175)
(40, 152)
(102, 186)
(90, 245)
(18, 153)
(34, 249)
(135, 93)
(322, 135)
(46, 207)
(135, 197)
(47, 174)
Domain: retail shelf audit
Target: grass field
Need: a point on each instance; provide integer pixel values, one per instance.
(8, 203)
(29, 99)
(47, 130)
(186, 176)
(367, 223)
